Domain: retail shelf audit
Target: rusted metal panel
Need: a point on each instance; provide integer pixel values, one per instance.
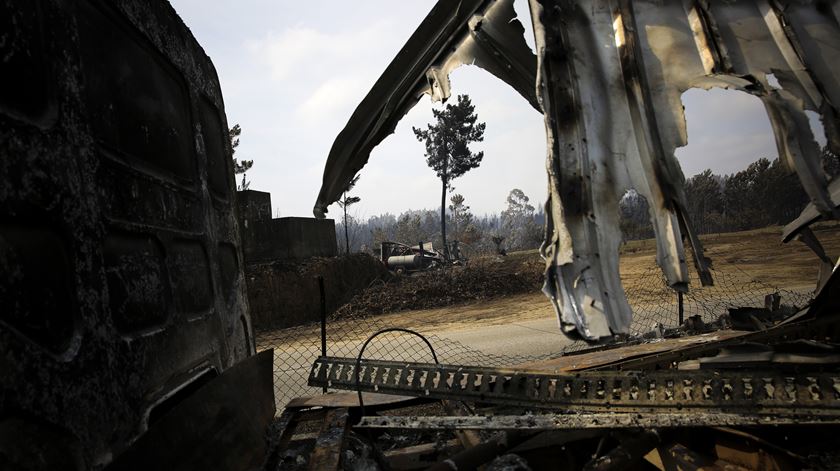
(800, 325)
(221, 426)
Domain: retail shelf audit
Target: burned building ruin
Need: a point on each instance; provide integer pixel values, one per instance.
(125, 331)
(608, 77)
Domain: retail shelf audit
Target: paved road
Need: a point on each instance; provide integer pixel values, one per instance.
(509, 330)
(532, 337)
(520, 338)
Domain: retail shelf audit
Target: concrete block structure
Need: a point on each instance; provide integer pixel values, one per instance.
(284, 257)
(289, 238)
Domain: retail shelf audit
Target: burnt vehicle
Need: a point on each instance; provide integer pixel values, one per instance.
(122, 295)
(401, 258)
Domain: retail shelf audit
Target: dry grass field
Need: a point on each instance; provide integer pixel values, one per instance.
(756, 255)
(749, 255)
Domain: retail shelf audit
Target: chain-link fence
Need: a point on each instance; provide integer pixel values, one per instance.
(655, 305)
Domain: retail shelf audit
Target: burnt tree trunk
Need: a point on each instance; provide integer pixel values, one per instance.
(443, 211)
(346, 234)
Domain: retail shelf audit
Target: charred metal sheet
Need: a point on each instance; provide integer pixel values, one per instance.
(603, 138)
(810, 214)
(221, 426)
(827, 303)
(614, 118)
(604, 420)
(616, 354)
(122, 286)
(801, 325)
(758, 391)
(609, 80)
(475, 456)
(349, 400)
(481, 32)
(807, 237)
(420, 456)
(632, 449)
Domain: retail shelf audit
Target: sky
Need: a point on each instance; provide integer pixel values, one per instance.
(292, 72)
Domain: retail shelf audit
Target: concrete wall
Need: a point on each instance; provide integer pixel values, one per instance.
(284, 256)
(289, 238)
(253, 206)
(266, 239)
(284, 294)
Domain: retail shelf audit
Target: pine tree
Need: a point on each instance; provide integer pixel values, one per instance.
(243, 166)
(345, 202)
(447, 147)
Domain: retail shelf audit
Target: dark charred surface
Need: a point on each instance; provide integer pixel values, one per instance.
(122, 262)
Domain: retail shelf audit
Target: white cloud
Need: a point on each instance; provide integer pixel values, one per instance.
(334, 97)
(289, 50)
(304, 51)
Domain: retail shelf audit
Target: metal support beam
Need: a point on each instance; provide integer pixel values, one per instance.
(741, 391)
(600, 420)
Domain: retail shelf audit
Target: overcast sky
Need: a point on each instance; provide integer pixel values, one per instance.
(293, 72)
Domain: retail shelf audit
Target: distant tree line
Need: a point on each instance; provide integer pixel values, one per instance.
(763, 194)
(519, 227)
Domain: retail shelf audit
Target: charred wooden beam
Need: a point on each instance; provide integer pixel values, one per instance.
(330, 441)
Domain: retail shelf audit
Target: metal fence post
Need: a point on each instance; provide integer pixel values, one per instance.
(323, 320)
(681, 307)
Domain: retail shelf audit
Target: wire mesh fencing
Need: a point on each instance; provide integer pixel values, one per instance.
(655, 306)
